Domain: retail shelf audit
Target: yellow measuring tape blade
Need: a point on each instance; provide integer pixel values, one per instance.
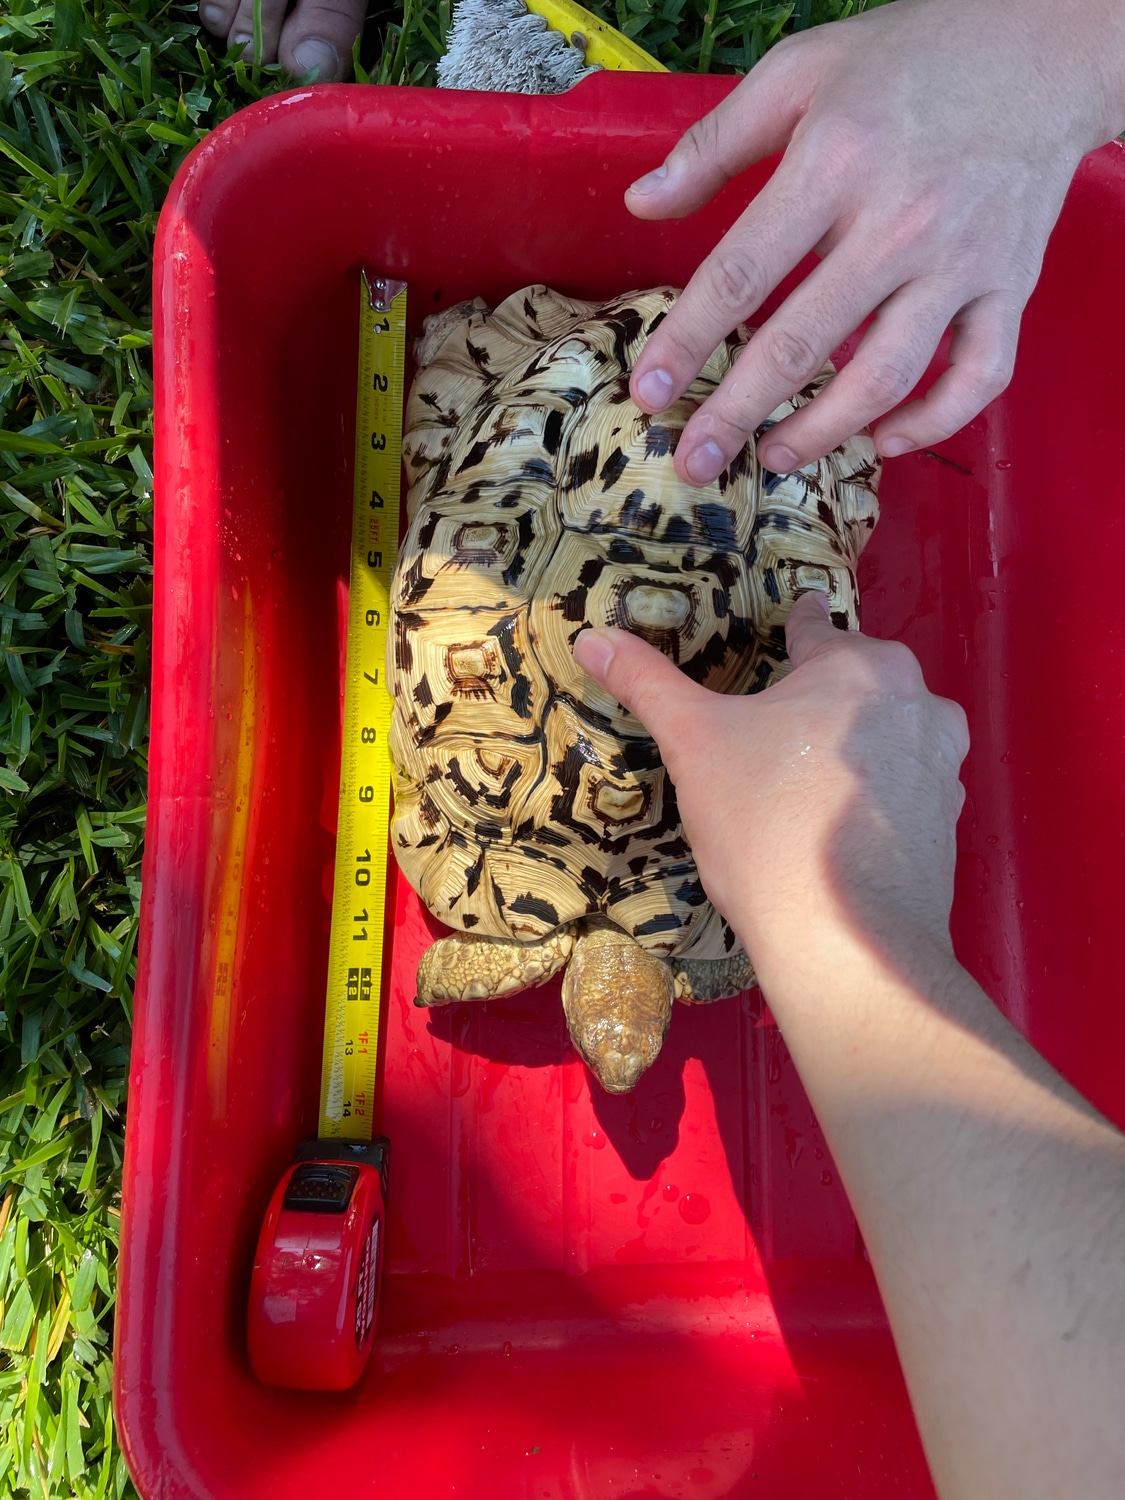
(356, 946)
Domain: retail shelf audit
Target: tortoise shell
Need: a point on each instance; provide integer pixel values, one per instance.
(541, 501)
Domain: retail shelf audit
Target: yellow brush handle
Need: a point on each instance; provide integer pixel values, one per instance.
(605, 47)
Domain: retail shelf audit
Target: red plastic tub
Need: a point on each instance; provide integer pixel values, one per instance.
(658, 1295)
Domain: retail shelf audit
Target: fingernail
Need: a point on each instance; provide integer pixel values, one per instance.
(705, 463)
(214, 15)
(823, 601)
(650, 182)
(593, 653)
(779, 459)
(240, 39)
(655, 389)
(313, 53)
(894, 447)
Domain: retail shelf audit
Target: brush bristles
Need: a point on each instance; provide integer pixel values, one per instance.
(500, 46)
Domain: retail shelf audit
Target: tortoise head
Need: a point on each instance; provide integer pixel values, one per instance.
(618, 1004)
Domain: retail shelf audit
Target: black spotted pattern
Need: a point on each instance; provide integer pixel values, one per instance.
(494, 469)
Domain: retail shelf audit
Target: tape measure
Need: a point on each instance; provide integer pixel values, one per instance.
(355, 963)
(315, 1285)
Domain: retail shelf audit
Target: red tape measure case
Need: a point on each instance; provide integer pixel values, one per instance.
(314, 1290)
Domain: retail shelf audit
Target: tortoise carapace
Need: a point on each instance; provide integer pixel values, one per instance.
(532, 812)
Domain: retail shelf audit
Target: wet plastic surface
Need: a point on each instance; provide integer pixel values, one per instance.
(658, 1295)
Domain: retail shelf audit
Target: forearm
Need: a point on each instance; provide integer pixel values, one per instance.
(992, 1201)
(821, 814)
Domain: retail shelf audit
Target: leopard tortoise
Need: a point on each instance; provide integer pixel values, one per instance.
(532, 813)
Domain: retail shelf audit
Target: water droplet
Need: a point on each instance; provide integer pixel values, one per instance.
(827, 1179)
(1003, 463)
(694, 1208)
(671, 1192)
(595, 1139)
(507, 1349)
(993, 838)
(617, 1197)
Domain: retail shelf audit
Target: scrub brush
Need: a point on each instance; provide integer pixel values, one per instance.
(543, 47)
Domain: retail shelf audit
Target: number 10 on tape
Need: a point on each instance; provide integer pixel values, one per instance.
(355, 963)
(315, 1286)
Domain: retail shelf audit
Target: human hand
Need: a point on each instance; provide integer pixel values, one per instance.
(990, 1197)
(928, 147)
(316, 34)
(831, 798)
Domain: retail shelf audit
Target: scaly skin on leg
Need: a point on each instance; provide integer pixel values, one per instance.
(618, 1004)
(698, 981)
(465, 966)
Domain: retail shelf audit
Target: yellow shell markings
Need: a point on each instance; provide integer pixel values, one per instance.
(542, 500)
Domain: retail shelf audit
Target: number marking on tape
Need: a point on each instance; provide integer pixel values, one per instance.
(356, 946)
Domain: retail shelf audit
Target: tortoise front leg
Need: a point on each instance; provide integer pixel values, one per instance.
(468, 966)
(700, 980)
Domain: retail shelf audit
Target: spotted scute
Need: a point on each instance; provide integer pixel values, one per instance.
(542, 501)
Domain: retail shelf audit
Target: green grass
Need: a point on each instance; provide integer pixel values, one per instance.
(99, 102)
